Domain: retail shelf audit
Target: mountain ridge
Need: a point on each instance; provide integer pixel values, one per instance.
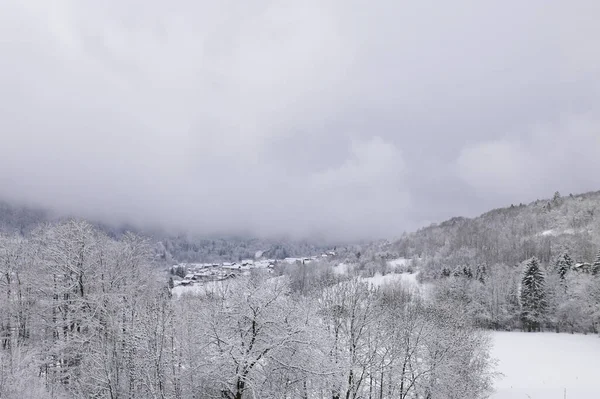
(543, 228)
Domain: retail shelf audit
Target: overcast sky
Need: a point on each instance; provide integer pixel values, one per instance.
(353, 119)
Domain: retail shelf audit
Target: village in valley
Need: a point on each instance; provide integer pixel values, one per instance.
(186, 274)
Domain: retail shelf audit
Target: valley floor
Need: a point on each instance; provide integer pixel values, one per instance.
(543, 365)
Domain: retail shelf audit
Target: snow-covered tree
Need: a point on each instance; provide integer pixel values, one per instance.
(563, 265)
(428, 350)
(556, 198)
(253, 333)
(481, 273)
(533, 296)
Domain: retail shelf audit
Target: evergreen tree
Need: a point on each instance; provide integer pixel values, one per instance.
(533, 296)
(481, 273)
(564, 263)
(596, 265)
(467, 272)
(180, 271)
(556, 198)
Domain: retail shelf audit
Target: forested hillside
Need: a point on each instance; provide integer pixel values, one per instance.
(532, 267)
(20, 219)
(544, 229)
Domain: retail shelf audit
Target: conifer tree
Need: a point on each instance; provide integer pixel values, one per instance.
(533, 296)
(481, 273)
(564, 263)
(467, 272)
(556, 198)
(180, 271)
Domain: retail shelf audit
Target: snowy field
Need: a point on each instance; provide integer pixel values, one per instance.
(542, 365)
(400, 262)
(341, 268)
(409, 279)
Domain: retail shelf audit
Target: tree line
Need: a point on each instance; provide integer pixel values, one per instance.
(561, 296)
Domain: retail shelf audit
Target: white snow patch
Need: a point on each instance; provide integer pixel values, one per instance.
(554, 232)
(189, 289)
(410, 279)
(200, 289)
(342, 268)
(398, 262)
(542, 365)
(378, 280)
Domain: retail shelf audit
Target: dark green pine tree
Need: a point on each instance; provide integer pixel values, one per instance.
(596, 265)
(564, 263)
(533, 296)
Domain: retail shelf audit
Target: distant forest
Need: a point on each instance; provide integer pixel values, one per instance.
(168, 248)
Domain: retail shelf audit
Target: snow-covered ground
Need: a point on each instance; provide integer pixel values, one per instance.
(557, 232)
(378, 280)
(398, 262)
(200, 289)
(410, 279)
(542, 365)
(341, 268)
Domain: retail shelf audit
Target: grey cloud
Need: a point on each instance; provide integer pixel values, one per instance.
(341, 118)
(561, 156)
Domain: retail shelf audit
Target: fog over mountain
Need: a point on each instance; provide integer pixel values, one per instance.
(343, 118)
